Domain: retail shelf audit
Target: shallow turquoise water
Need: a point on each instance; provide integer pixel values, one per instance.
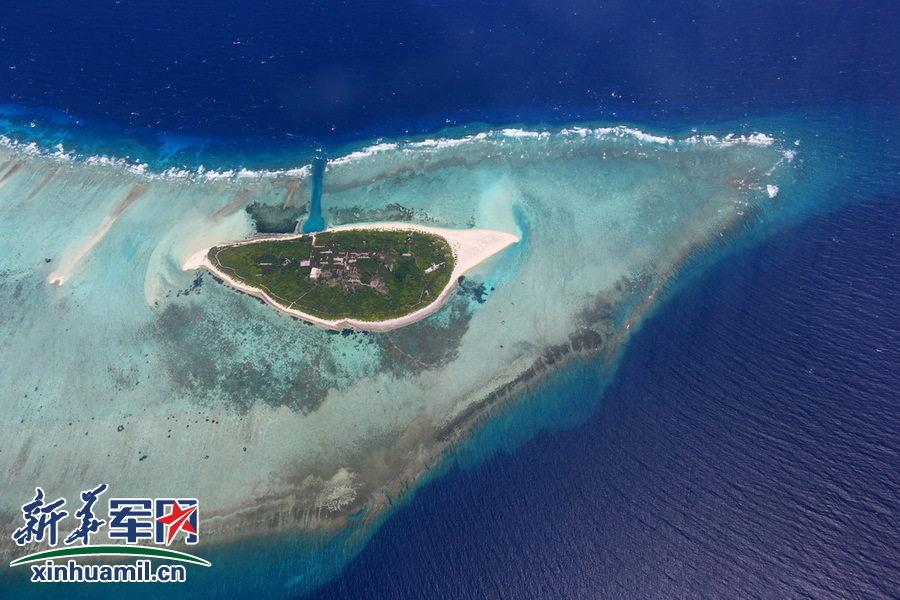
(323, 423)
(315, 221)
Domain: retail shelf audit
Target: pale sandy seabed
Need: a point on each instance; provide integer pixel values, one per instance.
(136, 373)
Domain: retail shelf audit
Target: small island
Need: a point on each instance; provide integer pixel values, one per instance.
(372, 277)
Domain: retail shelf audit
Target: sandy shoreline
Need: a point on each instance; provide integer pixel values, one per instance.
(470, 248)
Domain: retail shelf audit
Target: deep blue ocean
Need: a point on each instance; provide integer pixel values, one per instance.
(748, 443)
(747, 448)
(185, 80)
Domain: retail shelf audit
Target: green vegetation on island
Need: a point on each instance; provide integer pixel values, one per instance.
(364, 274)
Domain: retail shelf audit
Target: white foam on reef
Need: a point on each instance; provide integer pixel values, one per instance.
(443, 143)
(493, 136)
(28, 149)
(364, 153)
(523, 133)
(200, 173)
(754, 139)
(439, 143)
(619, 131)
(502, 136)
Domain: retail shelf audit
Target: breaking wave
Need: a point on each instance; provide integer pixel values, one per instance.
(502, 137)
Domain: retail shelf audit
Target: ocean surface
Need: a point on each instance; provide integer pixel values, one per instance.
(747, 448)
(742, 442)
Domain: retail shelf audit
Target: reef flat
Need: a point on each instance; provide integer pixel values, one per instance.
(120, 367)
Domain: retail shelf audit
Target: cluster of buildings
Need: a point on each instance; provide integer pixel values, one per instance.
(343, 267)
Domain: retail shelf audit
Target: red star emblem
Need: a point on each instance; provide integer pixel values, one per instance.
(178, 520)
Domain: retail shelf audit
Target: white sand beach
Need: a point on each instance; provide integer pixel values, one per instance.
(470, 248)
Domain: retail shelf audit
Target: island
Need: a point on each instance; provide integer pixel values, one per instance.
(368, 277)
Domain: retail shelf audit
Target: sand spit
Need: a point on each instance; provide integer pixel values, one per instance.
(235, 203)
(71, 260)
(470, 248)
